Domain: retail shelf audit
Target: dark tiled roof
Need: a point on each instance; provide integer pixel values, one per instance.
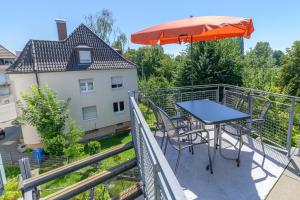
(4, 53)
(56, 56)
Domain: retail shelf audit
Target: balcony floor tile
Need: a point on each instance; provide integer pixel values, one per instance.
(253, 180)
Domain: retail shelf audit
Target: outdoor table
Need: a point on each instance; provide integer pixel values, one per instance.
(212, 113)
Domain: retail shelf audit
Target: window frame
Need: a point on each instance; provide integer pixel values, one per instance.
(89, 119)
(85, 51)
(86, 81)
(117, 84)
(119, 107)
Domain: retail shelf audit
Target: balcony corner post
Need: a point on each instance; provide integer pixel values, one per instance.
(290, 127)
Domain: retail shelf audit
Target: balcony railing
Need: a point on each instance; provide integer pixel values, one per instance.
(158, 179)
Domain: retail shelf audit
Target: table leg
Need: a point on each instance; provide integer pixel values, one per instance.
(216, 133)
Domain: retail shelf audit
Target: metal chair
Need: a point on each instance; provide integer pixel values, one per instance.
(159, 123)
(180, 139)
(257, 119)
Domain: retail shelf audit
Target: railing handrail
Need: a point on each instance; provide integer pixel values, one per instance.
(224, 85)
(58, 172)
(165, 170)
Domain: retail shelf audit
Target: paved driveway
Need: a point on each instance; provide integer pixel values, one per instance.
(12, 136)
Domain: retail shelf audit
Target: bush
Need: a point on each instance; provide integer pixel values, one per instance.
(93, 147)
(11, 171)
(11, 190)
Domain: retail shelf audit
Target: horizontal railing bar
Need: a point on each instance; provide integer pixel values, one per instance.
(262, 92)
(58, 172)
(91, 182)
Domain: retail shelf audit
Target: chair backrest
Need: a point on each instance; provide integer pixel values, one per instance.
(265, 103)
(235, 99)
(168, 124)
(154, 108)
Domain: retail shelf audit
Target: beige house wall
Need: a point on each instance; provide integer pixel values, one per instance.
(66, 84)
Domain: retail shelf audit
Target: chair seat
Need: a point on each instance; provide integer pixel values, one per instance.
(177, 117)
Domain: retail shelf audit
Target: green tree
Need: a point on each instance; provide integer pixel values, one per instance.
(260, 56)
(212, 62)
(289, 78)
(154, 83)
(278, 56)
(73, 134)
(152, 61)
(103, 24)
(42, 109)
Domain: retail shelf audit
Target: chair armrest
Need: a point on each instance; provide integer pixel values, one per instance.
(193, 132)
(257, 120)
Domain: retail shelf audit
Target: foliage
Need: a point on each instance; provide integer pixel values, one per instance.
(11, 190)
(262, 78)
(154, 82)
(11, 171)
(260, 56)
(42, 109)
(289, 79)
(93, 147)
(72, 136)
(212, 62)
(103, 25)
(152, 61)
(75, 177)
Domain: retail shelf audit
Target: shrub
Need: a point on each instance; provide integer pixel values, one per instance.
(93, 147)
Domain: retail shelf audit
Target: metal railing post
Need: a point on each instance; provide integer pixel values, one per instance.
(224, 95)
(218, 94)
(290, 127)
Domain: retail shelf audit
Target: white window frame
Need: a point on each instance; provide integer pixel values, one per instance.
(85, 56)
(119, 105)
(86, 82)
(91, 118)
(117, 81)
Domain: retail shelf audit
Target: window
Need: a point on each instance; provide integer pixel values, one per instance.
(85, 57)
(118, 106)
(89, 113)
(116, 82)
(86, 85)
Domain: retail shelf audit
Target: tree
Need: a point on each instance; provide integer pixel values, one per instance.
(152, 61)
(103, 25)
(289, 77)
(42, 109)
(260, 56)
(211, 62)
(278, 56)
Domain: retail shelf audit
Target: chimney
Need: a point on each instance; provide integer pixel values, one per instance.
(61, 29)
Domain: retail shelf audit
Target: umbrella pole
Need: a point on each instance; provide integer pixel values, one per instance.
(192, 62)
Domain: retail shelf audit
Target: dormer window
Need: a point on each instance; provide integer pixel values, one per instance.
(84, 54)
(85, 57)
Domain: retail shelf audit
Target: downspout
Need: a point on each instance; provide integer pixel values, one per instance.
(34, 66)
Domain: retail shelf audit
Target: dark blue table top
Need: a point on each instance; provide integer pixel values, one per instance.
(210, 112)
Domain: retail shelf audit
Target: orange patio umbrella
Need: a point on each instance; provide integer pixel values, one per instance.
(194, 29)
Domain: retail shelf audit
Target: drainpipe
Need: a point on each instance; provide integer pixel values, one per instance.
(34, 66)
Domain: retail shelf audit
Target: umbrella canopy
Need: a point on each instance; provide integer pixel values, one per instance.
(194, 29)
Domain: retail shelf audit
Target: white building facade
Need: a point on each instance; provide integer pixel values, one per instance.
(91, 73)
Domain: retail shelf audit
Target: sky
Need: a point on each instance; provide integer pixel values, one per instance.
(275, 21)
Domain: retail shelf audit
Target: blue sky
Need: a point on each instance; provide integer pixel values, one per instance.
(275, 21)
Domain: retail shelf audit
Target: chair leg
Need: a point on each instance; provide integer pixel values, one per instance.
(209, 157)
(177, 162)
(167, 141)
(240, 148)
(162, 139)
(262, 143)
